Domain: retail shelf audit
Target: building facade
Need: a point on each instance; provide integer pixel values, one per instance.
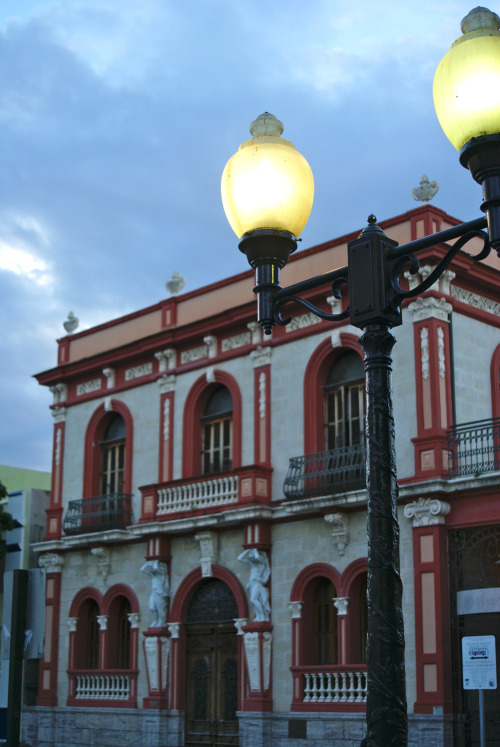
(205, 543)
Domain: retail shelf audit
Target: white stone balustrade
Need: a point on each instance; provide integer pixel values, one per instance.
(102, 687)
(198, 495)
(335, 687)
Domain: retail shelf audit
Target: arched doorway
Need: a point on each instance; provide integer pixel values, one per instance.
(211, 666)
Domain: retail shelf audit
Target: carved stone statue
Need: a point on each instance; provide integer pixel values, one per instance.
(260, 573)
(158, 598)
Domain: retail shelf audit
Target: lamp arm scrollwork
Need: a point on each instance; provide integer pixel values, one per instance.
(414, 265)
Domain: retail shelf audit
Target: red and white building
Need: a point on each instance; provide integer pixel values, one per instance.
(182, 438)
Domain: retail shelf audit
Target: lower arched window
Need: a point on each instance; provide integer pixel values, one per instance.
(87, 649)
(119, 640)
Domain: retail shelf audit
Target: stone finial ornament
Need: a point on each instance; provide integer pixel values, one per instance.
(426, 191)
(175, 285)
(71, 324)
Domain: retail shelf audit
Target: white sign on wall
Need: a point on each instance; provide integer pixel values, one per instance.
(474, 601)
(479, 662)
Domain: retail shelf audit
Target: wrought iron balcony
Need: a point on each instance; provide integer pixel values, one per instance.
(327, 472)
(98, 514)
(474, 448)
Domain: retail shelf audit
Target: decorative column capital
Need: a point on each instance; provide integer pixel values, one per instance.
(211, 343)
(52, 562)
(109, 373)
(166, 383)
(72, 622)
(430, 308)
(134, 619)
(341, 604)
(167, 359)
(340, 530)
(174, 629)
(427, 511)
(261, 356)
(102, 621)
(239, 623)
(59, 414)
(256, 332)
(295, 610)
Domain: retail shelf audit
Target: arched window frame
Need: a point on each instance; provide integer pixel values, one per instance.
(94, 435)
(106, 605)
(315, 379)
(194, 409)
(348, 584)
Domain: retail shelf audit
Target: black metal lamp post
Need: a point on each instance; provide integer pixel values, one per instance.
(267, 194)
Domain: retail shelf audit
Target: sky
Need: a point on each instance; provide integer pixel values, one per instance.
(118, 116)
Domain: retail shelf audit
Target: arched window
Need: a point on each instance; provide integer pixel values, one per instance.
(217, 432)
(113, 457)
(324, 623)
(87, 636)
(119, 640)
(344, 402)
(319, 631)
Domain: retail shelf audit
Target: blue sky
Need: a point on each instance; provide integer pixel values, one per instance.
(118, 116)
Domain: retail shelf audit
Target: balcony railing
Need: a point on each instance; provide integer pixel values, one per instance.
(474, 447)
(205, 494)
(200, 495)
(327, 472)
(98, 514)
(109, 688)
(343, 685)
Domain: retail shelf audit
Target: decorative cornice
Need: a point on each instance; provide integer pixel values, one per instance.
(137, 372)
(430, 308)
(478, 302)
(87, 387)
(236, 341)
(304, 320)
(427, 511)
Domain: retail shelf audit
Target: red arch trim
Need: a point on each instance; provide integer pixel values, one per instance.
(86, 593)
(193, 411)
(351, 573)
(119, 590)
(314, 379)
(178, 610)
(95, 433)
(310, 572)
(495, 383)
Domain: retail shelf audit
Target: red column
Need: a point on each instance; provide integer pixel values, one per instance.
(433, 385)
(432, 637)
(47, 689)
(55, 510)
(262, 409)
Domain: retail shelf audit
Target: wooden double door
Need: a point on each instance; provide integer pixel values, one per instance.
(211, 679)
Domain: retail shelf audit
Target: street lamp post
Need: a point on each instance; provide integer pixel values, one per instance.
(267, 192)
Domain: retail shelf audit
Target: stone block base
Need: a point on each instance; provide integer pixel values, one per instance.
(96, 727)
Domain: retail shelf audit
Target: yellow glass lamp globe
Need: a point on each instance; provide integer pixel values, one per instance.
(267, 184)
(467, 81)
